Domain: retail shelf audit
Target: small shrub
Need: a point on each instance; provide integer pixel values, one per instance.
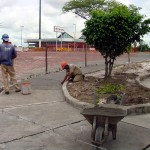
(110, 88)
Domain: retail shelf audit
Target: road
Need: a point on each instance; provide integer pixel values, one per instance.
(44, 121)
(27, 61)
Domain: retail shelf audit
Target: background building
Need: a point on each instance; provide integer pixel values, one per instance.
(64, 42)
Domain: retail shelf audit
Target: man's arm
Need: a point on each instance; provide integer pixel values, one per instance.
(14, 53)
(67, 77)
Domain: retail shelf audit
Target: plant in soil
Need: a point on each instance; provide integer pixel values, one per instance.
(121, 85)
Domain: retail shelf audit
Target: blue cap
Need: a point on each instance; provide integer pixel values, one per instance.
(5, 37)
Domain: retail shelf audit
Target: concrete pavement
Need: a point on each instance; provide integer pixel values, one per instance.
(44, 121)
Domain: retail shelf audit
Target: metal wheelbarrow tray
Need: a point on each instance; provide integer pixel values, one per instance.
(104, 119)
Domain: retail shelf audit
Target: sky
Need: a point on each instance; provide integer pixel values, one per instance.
(21, 17)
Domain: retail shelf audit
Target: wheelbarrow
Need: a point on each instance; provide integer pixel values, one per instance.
(104, 120)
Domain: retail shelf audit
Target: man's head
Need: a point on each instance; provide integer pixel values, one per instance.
(5, 37)
(64, 65)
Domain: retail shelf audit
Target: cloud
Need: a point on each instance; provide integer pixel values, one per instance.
(15, 13)
(56, 3)
(126, 2)
(8, 3)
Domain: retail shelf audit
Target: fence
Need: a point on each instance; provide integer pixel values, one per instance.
(30, 63)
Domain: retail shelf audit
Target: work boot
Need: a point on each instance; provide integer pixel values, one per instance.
(7, 92)
(18, 90)
(83, 76)
(1, 90)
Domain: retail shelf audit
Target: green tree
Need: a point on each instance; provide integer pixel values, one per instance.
(128, 50)
(83, 8)
(143, 47)
(112, 32)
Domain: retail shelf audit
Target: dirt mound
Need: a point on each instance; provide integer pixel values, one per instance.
(131, 94)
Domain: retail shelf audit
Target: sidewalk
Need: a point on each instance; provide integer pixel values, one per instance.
(44, 121)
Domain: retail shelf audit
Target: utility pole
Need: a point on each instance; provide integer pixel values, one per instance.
(39, 23)
(74, 36)
(21, 35)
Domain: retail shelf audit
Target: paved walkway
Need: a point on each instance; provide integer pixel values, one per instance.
(44, 121)
(34, 62)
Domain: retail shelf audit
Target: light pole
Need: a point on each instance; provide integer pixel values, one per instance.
(21, 34)
(74, 36)
(39, 23)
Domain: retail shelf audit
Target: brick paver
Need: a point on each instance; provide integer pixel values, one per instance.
(27, 61)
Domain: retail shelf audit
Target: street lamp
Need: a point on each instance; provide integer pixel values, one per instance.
(21, 34)
(74, 35)
(39, 23)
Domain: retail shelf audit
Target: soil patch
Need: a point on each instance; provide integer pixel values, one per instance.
(131, 92)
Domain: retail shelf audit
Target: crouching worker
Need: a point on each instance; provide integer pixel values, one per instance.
(73, 73)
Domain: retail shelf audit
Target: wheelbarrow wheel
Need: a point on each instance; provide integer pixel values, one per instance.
(99, 135)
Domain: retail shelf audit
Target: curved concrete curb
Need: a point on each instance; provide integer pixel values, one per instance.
(131, 110)
(138, 109)
(74, 102)
(141, 78)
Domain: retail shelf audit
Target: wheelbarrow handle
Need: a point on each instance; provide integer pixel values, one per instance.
(93, 128)
(106, 131)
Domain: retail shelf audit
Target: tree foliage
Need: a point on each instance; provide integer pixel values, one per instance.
(143, 47)
(111, 26)
(83, 8)
(112, 32)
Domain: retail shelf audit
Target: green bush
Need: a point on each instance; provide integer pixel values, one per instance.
(110, 88)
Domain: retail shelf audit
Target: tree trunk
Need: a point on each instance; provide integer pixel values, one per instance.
(128, 57)
(108, 67)
(111, 63)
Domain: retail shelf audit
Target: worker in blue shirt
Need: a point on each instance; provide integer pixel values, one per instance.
(7, 55)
